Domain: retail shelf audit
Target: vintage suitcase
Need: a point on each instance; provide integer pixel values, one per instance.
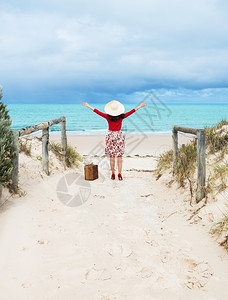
(91, 172)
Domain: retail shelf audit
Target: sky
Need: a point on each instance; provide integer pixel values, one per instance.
(79, 50)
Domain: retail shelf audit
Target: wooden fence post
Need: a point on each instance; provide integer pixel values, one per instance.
(15, 160)
(201, 158)
(44, 126)
(63, 140)
(175, 149)
(45, 142)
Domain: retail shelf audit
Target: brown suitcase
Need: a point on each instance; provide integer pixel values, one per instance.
(91, 172)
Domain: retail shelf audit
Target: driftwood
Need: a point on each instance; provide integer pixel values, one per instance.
(201, 157)
(44, 126)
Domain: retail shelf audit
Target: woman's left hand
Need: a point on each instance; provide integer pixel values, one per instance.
(143, 104)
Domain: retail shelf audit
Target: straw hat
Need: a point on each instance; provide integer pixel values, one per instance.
(114, 108)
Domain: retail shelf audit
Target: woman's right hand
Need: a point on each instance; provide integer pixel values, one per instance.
(87, 105)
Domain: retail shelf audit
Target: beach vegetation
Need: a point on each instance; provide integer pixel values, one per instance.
(6, 141)
(217, 138)
(221, 228)
(72, 156)
(25, 147)
(165, 160)
(216, 143)
(220, 175)
(186, 163)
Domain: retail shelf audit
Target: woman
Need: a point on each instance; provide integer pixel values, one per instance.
(115, 139)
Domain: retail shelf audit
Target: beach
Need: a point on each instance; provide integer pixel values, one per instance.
(67, 238)
(82, 81)
(136, 144)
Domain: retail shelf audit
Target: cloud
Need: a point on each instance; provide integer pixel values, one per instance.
(113, 46)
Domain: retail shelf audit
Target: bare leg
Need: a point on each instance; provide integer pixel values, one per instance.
(112, 164)
(119, 163)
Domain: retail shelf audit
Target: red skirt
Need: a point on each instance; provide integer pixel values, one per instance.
(115, 143)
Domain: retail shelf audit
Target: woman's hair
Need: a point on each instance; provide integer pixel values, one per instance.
(115, 118)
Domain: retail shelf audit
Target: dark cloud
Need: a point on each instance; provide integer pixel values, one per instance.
(111, 47)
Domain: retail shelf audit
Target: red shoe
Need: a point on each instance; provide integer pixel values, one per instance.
(113, 176)
(120, 177)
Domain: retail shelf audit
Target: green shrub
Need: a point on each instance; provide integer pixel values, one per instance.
(6, 140)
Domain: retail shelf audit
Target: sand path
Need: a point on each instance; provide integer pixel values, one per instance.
(121, 243)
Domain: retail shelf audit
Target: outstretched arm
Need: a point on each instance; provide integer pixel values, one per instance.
(95, 110)
(140, 105)
(87, 105)
(127, 114)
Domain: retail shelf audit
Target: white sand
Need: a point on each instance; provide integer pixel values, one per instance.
(128, 240)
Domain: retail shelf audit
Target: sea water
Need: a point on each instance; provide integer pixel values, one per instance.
(154, 118)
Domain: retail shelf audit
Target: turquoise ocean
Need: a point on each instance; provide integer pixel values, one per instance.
(153, 119)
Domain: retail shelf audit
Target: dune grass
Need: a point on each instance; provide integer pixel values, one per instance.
(186, 163)
(220, 174)
(72, 156)
(25, 147)
(220, 228)
(165, 161)
(217, 139)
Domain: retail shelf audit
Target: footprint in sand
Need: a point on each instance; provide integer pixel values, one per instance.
(197, 273)
(95, 274)
(166, 256)
(117, 249)
(151, 238)
(146, 272)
